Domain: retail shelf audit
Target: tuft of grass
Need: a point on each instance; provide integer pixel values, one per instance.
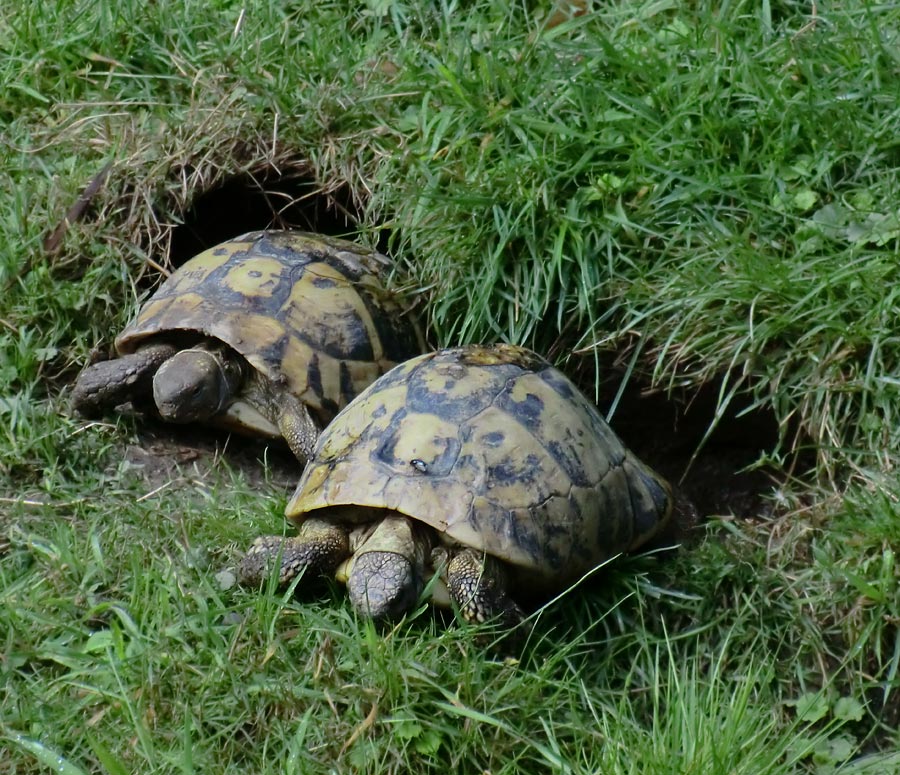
(712, 190)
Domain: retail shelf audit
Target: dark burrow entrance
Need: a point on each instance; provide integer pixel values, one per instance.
(716, 473)
(663, 430)
(259, 200)
(717, 470)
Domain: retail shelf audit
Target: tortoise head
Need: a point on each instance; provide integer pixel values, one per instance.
(192, 386)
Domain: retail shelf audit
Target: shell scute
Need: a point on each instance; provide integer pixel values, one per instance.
(438, 392)
(344, 326)
(409, 436)
(522, 404)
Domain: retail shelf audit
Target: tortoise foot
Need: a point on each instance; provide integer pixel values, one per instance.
(383, 585)
(316, 550)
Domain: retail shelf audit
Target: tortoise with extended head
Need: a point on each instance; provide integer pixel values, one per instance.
(270, 333)
(485, 465)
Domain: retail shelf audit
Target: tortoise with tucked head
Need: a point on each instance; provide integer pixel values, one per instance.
(484, 465)
(270, 333)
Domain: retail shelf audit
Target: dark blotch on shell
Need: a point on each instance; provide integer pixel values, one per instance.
(348, 392)
(528, 411)
(644, 520)
(323, 282)
(385, 451)
(493, 439)
(559, 383)
(314, 375)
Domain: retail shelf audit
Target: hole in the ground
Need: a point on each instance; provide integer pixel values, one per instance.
(262, 199)
(666, 433)
(666, 430)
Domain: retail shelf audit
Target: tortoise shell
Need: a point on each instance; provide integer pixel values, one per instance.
(307, 311)
(496, 450)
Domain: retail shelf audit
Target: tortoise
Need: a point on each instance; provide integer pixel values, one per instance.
(483, 465)
(269, 333)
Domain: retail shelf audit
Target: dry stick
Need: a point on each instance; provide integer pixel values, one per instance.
(54, 240)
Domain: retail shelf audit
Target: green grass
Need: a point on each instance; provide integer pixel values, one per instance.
(704, 195)
(120, 645)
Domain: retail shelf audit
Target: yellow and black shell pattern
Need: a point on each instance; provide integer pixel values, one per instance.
(496, 450)
(306, 310)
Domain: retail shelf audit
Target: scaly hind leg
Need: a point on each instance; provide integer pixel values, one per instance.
(477, 585)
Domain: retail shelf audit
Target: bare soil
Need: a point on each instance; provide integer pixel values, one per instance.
(169, 453)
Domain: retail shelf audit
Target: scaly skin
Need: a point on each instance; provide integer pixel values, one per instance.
(477, 586)
(194, 385)
(297, 426)
(105, 385)
(316, 550)
(388, 569)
